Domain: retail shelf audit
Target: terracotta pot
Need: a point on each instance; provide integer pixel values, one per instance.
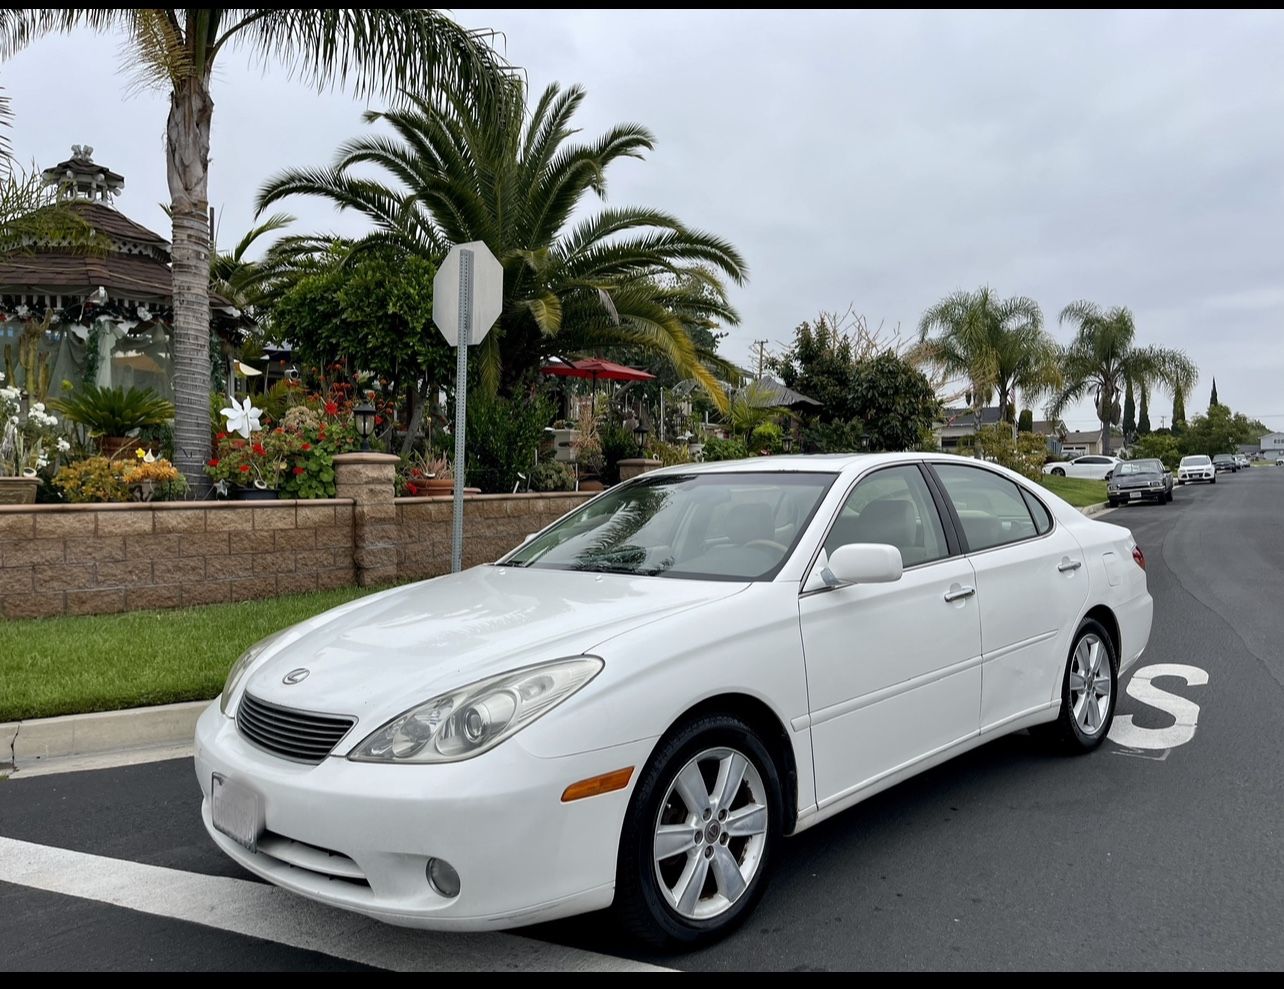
(254, 494)
(593, 485)
(433, 486)
(18, 490)
(109, 446)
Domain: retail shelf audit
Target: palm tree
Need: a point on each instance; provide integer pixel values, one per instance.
(997, 346)
(465, 164)
(1103, 356)
(373, 50)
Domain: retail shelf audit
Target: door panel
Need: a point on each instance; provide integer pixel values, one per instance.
(893, 673)
(1031, 585)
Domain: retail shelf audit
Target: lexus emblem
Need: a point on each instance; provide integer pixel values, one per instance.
(295, 676)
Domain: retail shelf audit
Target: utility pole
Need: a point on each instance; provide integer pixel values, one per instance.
(762, 355)
(1163, 422)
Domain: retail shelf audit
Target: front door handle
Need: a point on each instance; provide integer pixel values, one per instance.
(1068, 566)
(959, 592)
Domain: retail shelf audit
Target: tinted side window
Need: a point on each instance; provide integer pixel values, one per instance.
(894, 507)
(1042, 520)
(990, 507)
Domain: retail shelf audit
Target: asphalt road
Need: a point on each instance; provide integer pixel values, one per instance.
(1164, 853)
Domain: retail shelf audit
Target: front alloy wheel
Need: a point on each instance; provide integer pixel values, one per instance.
(697, 841)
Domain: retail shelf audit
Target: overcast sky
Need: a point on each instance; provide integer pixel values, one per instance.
(875, 159)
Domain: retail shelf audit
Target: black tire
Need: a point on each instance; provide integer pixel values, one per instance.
(1168, 496)
(640, 905)
(1214, 481)
(1114, 502)
(1066, 732)
(1058, 472)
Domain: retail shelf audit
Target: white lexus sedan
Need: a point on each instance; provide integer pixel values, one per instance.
(639, 703)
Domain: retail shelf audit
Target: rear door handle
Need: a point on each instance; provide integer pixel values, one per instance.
(1069, 565)
(959, 592)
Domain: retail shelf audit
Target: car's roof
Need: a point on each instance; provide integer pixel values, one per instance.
(824, 463)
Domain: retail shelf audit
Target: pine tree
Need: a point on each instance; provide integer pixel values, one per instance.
(1212, 399)
(1143, 417)
(1179, 412)
(1130, 412)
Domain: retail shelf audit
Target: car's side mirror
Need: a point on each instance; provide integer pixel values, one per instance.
(863, 563)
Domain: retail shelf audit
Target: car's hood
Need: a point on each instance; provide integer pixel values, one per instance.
(376, 657)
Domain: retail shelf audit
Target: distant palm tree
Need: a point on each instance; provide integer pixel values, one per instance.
(1103, 356)
(372, 49)
(997, 346)
(468, 164)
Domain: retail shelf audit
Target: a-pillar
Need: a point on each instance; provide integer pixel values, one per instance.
(370, 480)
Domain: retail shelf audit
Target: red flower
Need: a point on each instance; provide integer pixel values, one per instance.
(280, 430)
(332, 408)
(300, 470)
(378, 420)
(221, 437)
(238, 444)
(245, 468)
(306, 447)
(412, 490)
(214, 462)
(259, 451)
(416, 472)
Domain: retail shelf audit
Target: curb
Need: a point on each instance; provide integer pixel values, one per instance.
(26, 745)
(1097, 509)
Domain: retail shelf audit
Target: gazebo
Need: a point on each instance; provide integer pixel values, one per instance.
(98, 316)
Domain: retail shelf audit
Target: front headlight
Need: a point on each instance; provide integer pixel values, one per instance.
(241, 667)
(468, 721)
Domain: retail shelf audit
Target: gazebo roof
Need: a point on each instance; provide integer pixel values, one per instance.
(115, 224)
(135, 277)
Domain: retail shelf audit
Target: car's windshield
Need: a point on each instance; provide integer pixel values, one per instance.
(1139, 467)
(1198, 461)
(1223, 457)
(722, 526)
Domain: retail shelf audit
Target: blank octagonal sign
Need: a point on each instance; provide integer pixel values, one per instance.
(488, 293)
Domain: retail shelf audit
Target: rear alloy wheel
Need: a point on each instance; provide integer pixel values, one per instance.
(697, 841)
(1087, 691)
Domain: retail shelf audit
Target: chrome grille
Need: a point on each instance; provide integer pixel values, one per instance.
(284, 731)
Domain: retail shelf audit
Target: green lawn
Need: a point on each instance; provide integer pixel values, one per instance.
(51, 666)
(1079, 491)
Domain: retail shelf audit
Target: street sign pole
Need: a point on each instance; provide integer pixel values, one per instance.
(461, 403)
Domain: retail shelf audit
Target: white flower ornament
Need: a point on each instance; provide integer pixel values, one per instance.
(242, 417)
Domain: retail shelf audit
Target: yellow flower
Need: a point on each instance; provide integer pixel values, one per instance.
(140, 453)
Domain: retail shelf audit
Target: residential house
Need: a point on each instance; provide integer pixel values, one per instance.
(957, 427)
(1272, 446)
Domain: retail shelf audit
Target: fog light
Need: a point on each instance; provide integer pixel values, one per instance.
(443, 878)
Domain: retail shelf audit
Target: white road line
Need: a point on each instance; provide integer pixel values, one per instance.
(262, 911)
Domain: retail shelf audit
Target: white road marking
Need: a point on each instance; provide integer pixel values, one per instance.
(1186, 712)
(109, 760)
(273, 914)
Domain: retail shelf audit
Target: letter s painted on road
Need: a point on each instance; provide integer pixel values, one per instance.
(1186, 712)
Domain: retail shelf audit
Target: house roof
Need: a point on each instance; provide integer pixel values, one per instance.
(964, 417)
(1083, 436)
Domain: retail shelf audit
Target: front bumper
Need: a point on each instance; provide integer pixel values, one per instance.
(359, 836)
(1200, 475)
(1137, 494)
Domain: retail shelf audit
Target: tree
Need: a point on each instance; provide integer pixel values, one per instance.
(1217, 431)
(1212, 399)
(176, 50)
(1143, 417)
(1158, 446)
(1129, 412)
(998, 346)
(470, 163)
(1025, 424)
(894, 401)
(1104, 355)
(1179, 411)
(820, 365)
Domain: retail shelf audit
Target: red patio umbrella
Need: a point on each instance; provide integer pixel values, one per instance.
(594, 368)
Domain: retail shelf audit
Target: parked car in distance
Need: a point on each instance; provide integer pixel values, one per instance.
(1243, 460)
(1140, 480)
(619, 712)
(1196, 467)
(1279, 461)
(1225, 463)
(1096, 468)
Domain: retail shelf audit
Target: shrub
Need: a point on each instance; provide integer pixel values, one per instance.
(552, 475)
(503, 438)
(834, 437)
(766, 439)
(718, 449)
(94, 479)
(1161, 446)
(1025, 455)
(618, 443)
(669, 453)
(115, 411)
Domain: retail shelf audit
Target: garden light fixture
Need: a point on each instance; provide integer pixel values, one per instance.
(365, 417)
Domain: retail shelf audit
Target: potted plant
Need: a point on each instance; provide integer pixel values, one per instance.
(151, 476)
(248, 461)
(112, 414)
(429, 477)
(28, 444)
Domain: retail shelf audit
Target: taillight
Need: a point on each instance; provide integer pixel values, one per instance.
(1139, 557)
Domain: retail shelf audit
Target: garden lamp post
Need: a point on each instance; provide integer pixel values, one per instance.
(365, 416)
(787, 441)
(640, 432)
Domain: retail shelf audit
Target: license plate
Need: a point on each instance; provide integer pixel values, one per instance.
(1136, 494)
(237, 811)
